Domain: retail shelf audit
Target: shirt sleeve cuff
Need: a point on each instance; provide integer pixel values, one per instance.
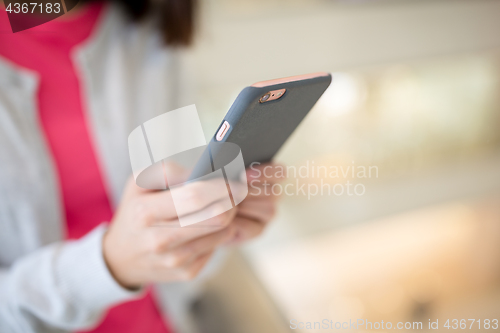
(84, 276)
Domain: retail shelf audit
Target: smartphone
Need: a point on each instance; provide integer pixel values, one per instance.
(264, 115)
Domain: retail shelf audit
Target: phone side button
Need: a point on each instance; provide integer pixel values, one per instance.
(222, 131)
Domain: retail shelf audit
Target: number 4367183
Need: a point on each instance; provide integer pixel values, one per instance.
(34, 7)
(471, 323)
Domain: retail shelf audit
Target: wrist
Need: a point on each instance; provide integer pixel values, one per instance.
(113, 265)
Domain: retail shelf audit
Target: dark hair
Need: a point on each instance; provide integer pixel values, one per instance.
(176, 18)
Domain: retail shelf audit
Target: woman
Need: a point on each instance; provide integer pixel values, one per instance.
(71, 91)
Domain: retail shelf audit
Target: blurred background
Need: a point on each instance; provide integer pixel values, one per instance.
(416, 93)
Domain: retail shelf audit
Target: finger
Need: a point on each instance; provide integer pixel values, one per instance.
(132, 189)
(195, 196)
(272, 172)
(216, 215)
(263, 189)
(169, 235)
(245, 229)
(181, 201)
(188, 252)
(211, 216)
(257, 209)
(176, 173)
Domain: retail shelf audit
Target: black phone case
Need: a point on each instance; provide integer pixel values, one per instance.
(261, 129)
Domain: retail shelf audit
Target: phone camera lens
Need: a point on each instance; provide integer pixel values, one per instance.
(265, 97)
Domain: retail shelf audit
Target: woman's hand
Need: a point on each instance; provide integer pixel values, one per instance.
(145, 243)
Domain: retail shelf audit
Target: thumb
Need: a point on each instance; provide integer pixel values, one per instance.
(174, 173)
(159, 176)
